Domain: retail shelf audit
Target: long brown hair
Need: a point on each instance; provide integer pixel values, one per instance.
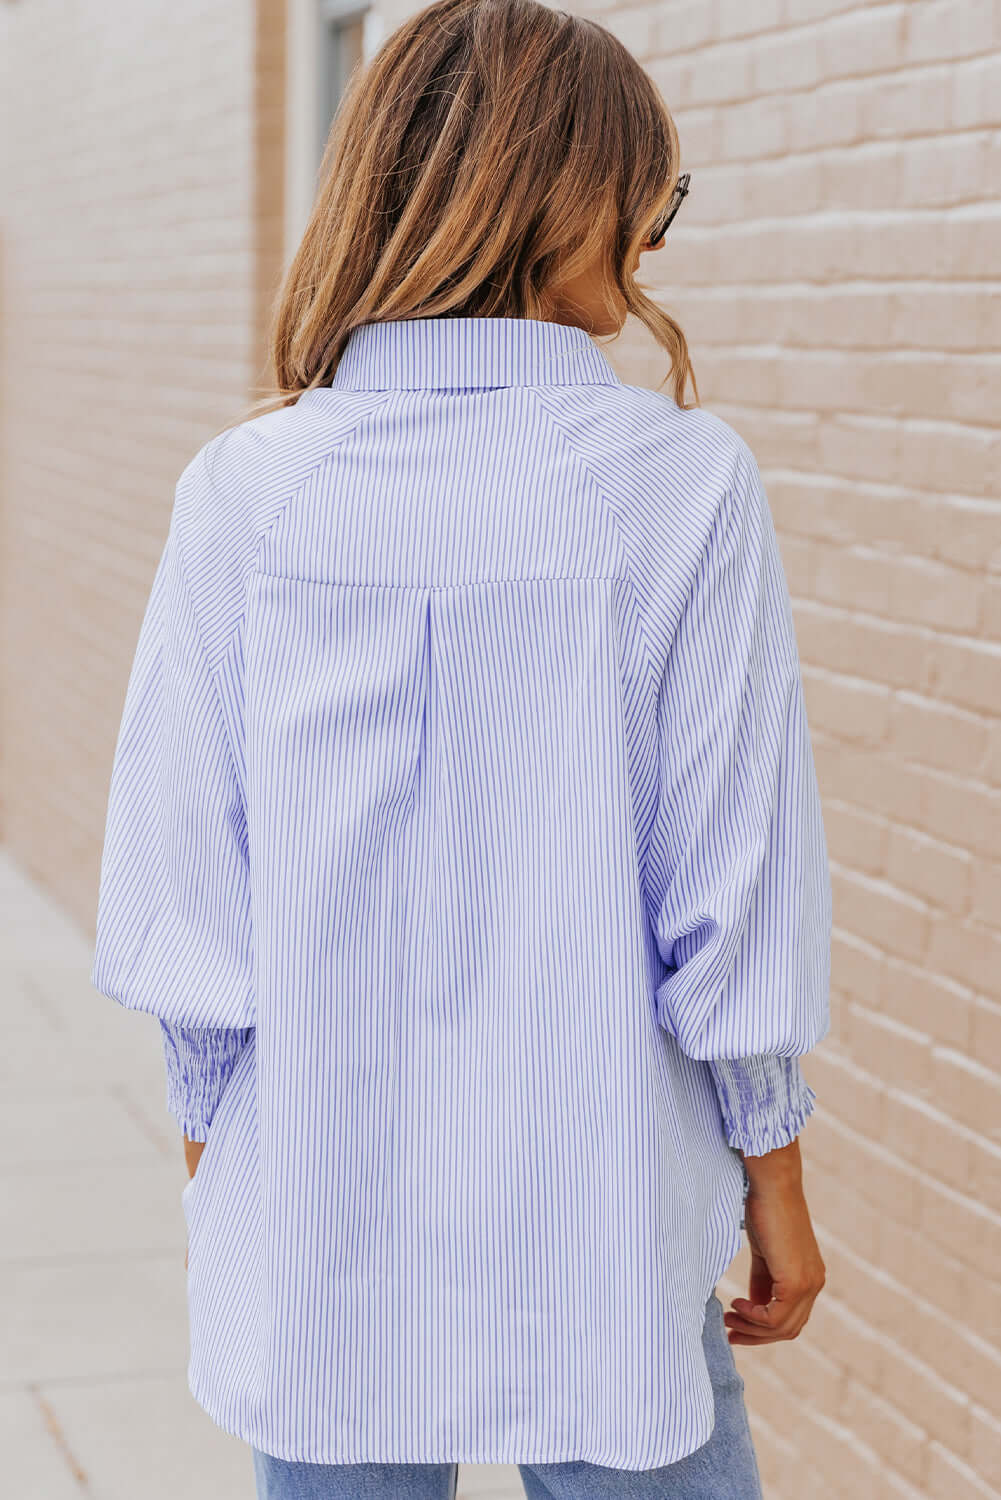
(489, 149)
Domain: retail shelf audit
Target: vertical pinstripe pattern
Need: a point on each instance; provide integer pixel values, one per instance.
(464, 771)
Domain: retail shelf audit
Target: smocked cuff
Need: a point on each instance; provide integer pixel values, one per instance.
(199, 1062)
(765, 1100)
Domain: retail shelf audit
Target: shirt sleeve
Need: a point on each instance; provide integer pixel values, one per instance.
(173, 919)
(765, 1100)
(199, 1062)
(740, 876)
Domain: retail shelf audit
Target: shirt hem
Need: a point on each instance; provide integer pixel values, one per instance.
(488, 1455)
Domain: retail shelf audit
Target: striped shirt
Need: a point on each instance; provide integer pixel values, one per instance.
(465, 838)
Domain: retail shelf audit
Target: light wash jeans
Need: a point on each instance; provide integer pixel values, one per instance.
(724, 1468)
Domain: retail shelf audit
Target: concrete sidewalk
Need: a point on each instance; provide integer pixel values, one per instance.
(93, 1396)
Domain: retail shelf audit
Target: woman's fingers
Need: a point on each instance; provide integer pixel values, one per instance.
(758, 1312)
(756, 1334)
(778, 1320)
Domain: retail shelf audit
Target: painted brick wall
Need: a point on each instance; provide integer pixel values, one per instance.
(836, 267)
(140, 195)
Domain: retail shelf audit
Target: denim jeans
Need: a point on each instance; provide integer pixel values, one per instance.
(724, 1468)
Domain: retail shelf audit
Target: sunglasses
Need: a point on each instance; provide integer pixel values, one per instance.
(677, 198)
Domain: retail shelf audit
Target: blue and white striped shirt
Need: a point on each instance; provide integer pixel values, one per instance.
(464, 835)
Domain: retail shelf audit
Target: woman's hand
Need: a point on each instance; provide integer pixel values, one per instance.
(192, 1155)
(787, 1272)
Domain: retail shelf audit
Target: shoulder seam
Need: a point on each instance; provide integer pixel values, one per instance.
(610, 512)
(269, 528)
(264, 531)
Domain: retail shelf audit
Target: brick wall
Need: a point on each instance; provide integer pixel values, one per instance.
(836, 268)
(140, 194)
(833, 267)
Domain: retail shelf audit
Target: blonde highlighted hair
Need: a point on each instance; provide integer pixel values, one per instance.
(488, 150)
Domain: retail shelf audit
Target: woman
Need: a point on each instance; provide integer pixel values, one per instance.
(463, 830)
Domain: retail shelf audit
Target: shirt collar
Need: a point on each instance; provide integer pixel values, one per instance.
(451, 353)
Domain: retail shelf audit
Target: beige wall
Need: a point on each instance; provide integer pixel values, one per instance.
(140, 194)
(836, 267)
(833, 267)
